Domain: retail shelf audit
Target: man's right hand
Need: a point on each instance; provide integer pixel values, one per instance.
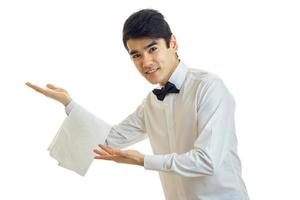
(56, 93)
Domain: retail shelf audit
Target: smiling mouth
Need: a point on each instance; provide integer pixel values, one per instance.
(152, 71)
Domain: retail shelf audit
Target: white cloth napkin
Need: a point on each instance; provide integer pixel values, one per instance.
(78, 135)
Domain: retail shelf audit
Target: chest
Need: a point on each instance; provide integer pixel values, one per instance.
(172, 124)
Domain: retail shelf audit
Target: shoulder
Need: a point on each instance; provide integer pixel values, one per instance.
(207, 85)
(202, 79)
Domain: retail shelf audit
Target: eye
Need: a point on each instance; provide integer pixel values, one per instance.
(136, 55)
(152, 49)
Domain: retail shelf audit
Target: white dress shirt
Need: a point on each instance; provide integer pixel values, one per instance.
(192, 135)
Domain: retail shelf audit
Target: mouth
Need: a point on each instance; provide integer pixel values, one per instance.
(151, 71)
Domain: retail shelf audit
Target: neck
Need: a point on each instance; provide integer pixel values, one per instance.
(174, 66)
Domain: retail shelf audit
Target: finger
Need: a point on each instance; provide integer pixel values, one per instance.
(105, 157)
(36, 88)
(102, 158)
(51, 86)
(28, 83)
(100, 152)
(106, 149)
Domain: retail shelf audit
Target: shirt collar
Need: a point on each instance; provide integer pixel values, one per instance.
(179, 75)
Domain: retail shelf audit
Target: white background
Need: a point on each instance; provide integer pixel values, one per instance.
(253, 46)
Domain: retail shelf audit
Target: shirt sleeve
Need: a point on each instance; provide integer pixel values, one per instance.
(82, 131)
(78, 135)
(215, 118)
(130, 131)
(70, 107)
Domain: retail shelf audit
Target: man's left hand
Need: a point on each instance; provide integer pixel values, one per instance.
(120, 156)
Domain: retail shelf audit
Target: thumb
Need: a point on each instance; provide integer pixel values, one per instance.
(51, 86)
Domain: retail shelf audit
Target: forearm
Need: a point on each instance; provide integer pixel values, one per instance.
(123, 139)
(193, 163)
(120, 136)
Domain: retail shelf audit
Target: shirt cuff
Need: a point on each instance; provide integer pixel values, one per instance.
(154, 162)
(70, 107)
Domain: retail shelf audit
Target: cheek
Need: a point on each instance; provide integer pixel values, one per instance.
(158, 57)
(162, 57)
(138, 67)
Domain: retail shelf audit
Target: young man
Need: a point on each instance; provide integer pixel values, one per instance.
(189, 120)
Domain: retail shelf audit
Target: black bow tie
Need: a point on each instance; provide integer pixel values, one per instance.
(168, 88)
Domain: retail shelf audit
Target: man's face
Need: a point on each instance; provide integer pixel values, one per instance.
(153, 59)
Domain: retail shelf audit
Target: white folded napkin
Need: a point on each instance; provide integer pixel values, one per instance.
(79, 134)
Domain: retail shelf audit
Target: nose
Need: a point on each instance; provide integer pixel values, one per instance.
(147, 60)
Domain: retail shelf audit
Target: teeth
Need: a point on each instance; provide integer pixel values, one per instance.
(151, 71)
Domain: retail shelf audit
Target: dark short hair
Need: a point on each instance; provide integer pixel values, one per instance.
(146, 23)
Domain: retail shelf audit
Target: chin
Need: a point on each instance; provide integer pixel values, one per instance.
(154, 82)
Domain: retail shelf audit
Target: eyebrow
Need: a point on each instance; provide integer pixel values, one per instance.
(146, 47)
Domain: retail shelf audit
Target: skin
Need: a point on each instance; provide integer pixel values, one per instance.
(147, 54)
(154, 61)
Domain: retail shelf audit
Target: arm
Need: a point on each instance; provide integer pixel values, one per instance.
(126, 133)
(81, 131)
(130, 131)
(215, 125)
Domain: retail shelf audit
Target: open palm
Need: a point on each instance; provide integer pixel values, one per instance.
(56, 93)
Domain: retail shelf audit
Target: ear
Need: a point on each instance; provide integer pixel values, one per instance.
(173, 43)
